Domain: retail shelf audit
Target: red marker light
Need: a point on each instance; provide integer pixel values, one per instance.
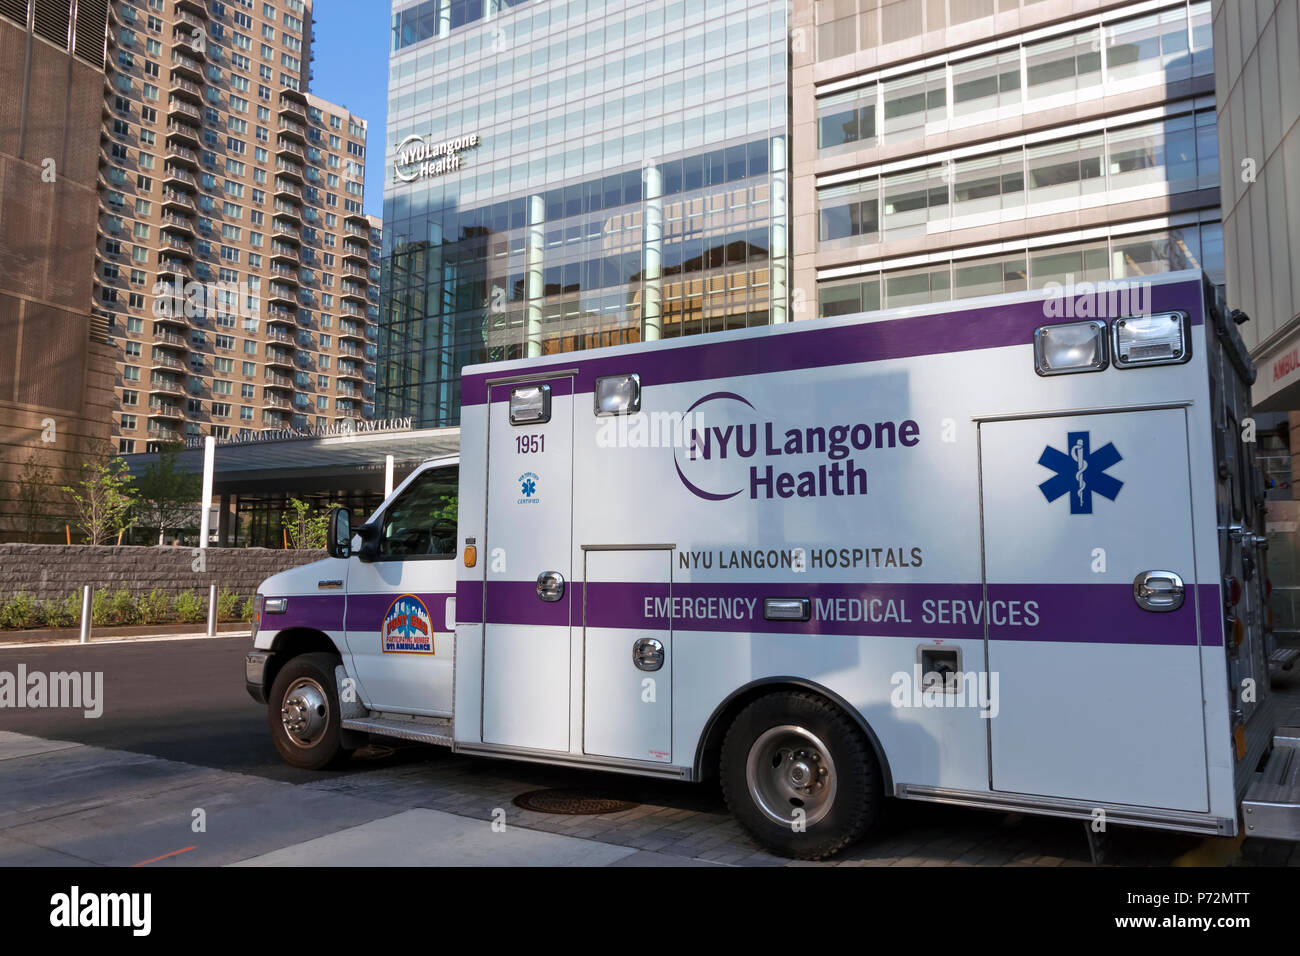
(1234, 591)
(1268, 587)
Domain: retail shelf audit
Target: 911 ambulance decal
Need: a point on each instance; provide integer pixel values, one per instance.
(1080, 472)
(407, 627)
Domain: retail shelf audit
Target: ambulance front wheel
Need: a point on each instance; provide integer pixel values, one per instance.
(800, 776)
(303, 712)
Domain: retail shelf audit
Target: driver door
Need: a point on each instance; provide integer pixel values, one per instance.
(401, 606)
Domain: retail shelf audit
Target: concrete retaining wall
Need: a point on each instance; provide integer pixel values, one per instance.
(51, 571)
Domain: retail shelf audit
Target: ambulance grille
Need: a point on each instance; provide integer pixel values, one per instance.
(572, 802)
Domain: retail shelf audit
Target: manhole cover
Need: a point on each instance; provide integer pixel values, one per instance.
(575, 802)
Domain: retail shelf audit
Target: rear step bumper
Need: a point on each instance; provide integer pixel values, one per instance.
(1271, 807)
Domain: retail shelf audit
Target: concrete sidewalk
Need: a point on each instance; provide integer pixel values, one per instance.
(61, 638)
(67, 804)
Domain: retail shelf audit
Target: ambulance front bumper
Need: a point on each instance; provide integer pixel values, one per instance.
(255, 674)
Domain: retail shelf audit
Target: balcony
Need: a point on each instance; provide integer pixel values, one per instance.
(288, 273)
(159, 433)
(174, 267)
(283, 294)
(176, 153)
(284, 189)
(175, 177)
(178, 107)
(174, 199)
(350, 330)
(176, 223)
(292, 109)
(185, 133)
(358, 232)
(281, 229)
(276, 315)
(186, 16)
(283, 252)
(278, 380)
(166, 360)
(275, 401)
(197, 8)
(180, 86)
(361, 273)
(349, 370)
(358, 219)
(279, 335)
(288, 169)
(353, 251)
(350, 290)
(279, 356)
(293, 129)
(187, 65)
(174, 246)
(166, 410)
(349, 391)
(284, 148)
(165, 385)
(290, 211)
(347, 348)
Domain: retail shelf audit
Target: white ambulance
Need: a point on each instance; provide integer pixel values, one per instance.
(1002, 552)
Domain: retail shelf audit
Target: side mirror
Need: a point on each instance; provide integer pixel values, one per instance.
(369, 535)
(338, 542)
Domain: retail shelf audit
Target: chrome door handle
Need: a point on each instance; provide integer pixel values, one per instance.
(1159, 591)
(550, 586)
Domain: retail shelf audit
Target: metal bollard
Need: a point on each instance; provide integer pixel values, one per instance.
(85, 614)
(212, 610)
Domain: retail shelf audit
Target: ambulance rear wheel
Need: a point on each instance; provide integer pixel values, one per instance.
(799, 775)
(303, 713)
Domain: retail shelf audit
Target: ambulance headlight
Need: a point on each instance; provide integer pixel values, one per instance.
(1071, 347)
(618, 394)
(530, 405)
(1159, 339)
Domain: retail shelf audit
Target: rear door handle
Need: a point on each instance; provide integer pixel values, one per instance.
(1159, 591)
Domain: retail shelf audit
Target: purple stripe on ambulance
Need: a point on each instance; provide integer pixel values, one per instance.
(1072, 613)
(320, 612)
(366, 611)
(726, 356)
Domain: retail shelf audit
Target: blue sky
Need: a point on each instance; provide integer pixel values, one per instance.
(350, 40)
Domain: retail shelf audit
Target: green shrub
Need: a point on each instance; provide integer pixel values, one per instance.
(189, 607)
(246, 611)
(121, 607)
(61, 613)
(18, 611)
(155, 607)
(227, 606)
(100, 615)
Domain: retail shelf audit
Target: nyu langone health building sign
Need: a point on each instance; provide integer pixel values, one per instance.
(418, 158)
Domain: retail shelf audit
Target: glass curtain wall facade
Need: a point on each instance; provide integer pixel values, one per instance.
(600, 172)
(1037, 141)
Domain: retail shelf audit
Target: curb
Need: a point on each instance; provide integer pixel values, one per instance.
(66, 635)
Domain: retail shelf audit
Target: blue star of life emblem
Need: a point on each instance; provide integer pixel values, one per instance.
(1080, 472)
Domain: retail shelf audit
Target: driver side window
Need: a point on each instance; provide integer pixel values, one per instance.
(421, 523)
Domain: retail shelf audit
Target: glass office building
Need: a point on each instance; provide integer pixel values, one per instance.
(565, 174)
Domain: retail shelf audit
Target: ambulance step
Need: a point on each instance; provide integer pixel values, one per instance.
(1271, 808)
(1284, 658)
(425, 730)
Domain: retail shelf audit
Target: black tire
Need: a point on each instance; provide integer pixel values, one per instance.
(317, 747)
(837, 810)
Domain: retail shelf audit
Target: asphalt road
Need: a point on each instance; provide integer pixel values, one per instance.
(179, 700)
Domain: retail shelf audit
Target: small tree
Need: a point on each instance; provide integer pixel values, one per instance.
(306, 527)
(31, 492)
(103, 499)
(168, 494)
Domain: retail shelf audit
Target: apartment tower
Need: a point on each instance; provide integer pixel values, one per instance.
(234, 254)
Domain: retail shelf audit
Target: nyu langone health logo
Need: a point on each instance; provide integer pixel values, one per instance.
(1080, 472)
(805, 461)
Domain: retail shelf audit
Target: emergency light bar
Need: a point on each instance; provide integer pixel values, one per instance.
(1159, 339)
(1070, 347)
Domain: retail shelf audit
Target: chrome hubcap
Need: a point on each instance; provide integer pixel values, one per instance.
(790, 769)
(305, 711)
